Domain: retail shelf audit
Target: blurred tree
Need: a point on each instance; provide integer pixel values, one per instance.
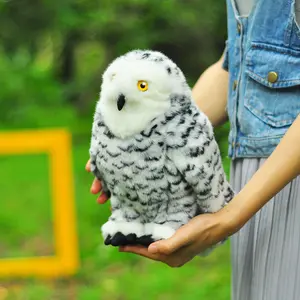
(67, 44)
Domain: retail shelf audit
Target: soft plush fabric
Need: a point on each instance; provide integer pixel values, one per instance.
(154, 151)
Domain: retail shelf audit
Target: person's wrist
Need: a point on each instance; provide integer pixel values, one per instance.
(230, 220)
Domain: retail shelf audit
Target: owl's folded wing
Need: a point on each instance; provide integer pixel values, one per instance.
(95, 149)
(195, 153)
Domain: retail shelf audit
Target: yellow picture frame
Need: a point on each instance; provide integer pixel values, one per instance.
(57, 144)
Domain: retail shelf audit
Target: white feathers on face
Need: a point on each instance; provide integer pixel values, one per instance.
(137, 88)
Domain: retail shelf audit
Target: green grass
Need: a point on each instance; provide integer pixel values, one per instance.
(106, 274)
(25, 209)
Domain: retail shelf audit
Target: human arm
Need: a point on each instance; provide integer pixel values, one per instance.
(278, 170)
(210, 93)
(208, 229)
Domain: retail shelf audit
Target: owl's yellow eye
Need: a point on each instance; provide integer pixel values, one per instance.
(142, 85)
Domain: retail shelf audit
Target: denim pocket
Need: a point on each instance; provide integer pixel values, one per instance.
(273, 84)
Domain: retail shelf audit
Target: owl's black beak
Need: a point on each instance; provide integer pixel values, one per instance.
(121, 102)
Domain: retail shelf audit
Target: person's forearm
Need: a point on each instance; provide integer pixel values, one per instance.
(210, 93)
(278, 170)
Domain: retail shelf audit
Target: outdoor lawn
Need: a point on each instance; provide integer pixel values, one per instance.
(26, 230)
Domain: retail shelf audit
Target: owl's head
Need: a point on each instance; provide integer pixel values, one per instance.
(138, 87)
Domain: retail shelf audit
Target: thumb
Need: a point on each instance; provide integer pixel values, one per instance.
(172, 244)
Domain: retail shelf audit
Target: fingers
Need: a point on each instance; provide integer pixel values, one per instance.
(88, 166)
(102, 198)
(174, 260)
(96, 186)
(165, 246)
(142, 251)
(181, 238)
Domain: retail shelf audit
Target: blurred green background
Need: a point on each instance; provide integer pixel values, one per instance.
(52, 55)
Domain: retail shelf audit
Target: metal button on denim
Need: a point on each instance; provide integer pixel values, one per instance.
(272, 77)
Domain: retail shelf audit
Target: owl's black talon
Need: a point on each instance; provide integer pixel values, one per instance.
(107, 240)
(131, 239)
(119, 239)
(145, 240)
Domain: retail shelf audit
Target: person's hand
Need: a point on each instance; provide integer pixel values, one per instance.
(190, 240)
(96, 187)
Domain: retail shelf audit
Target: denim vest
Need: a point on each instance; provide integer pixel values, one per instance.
(263, 59)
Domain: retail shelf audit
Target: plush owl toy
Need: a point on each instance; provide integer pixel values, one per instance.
(153, 150)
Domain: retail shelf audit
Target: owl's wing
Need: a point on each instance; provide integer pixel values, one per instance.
(95, 148)
(95, 139)
(194, 151)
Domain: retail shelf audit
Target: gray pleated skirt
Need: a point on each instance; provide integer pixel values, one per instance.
(265, 253)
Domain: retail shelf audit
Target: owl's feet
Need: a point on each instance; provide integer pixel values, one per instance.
(159, 231)
(125, 233)
(119, 239)
(134, 233)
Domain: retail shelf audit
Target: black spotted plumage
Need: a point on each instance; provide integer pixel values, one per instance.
(162, 176)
